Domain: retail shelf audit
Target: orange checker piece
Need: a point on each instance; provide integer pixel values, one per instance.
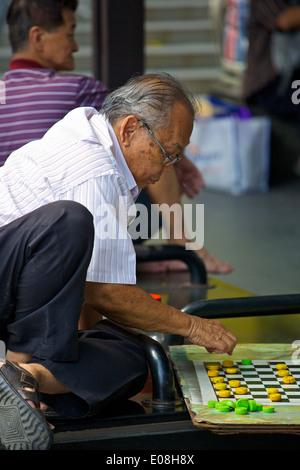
(156, 297)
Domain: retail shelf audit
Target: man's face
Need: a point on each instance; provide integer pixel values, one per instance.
(59, 45)
(144, 156)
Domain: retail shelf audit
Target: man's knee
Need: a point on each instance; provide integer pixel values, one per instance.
(75, 223)
(77, 215)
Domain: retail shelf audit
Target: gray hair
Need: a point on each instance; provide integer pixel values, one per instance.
(150, 98)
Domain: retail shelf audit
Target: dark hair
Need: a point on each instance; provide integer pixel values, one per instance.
(24, 14)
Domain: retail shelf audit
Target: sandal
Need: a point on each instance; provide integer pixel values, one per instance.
(22, 427)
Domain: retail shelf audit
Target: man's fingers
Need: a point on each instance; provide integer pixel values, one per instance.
(225, 341)
(212, 335)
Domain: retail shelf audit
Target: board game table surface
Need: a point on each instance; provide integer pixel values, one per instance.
(191, 366)
(136, 425)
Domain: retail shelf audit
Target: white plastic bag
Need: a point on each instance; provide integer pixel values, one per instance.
(233, 154)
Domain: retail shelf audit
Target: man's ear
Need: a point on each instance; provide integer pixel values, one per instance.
(36, 34)
(128, 128)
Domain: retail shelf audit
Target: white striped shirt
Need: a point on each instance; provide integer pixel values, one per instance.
(78, 159)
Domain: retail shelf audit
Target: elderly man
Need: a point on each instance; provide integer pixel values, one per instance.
(42, 37)
(65, 204)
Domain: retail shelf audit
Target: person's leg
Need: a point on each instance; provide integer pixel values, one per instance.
(46, 381)
(49, 252)
(280, 103)
(109, 368)
(44, 259)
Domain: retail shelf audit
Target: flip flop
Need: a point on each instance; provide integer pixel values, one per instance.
(22, 427)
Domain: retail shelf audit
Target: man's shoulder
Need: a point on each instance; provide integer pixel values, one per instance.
(40, 74)
(77, 126)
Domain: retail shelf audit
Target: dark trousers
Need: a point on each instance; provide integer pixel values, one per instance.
(44, 258)
(276, 99)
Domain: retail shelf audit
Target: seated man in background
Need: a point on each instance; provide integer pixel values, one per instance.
(38, 95)
(58, 249)
(267, 84)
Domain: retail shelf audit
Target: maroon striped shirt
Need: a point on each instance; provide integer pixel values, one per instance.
(36, 98)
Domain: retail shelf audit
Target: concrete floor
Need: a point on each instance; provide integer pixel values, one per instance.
(259, 234)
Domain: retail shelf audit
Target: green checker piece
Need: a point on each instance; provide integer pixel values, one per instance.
(259, 406)
(211, 403)
(246, 362)
(252, 405)
(230, 403)
(243, 403)
(223, 408)
(218, 404)
(268, 409)
(241, 410)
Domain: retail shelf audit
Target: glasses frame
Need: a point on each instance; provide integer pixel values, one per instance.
(168, 160)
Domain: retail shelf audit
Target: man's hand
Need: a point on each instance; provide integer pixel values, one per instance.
(212, 335)
(189, 177)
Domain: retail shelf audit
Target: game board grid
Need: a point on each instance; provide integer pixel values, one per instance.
(258, 376)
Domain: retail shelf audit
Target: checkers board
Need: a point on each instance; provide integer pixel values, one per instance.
(256, 377)
(191, 362)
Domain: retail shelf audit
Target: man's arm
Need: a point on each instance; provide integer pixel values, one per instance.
(289, 19)
(130, 306)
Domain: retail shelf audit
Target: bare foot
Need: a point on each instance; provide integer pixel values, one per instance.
(157, 266)
(212, 264)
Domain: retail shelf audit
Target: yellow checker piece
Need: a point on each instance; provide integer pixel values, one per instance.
(281, 366)
(224, 393)
(234, 383)
(283, 373)
(241, 390)
(227, 363)
(231, 370)
(275, 397)
(289, 379)
(220, 386)
(212, 373)
(218, 379)
(213, 366)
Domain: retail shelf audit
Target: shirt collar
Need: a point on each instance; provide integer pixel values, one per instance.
(24, 64)
(118, 154)
(113, 144)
